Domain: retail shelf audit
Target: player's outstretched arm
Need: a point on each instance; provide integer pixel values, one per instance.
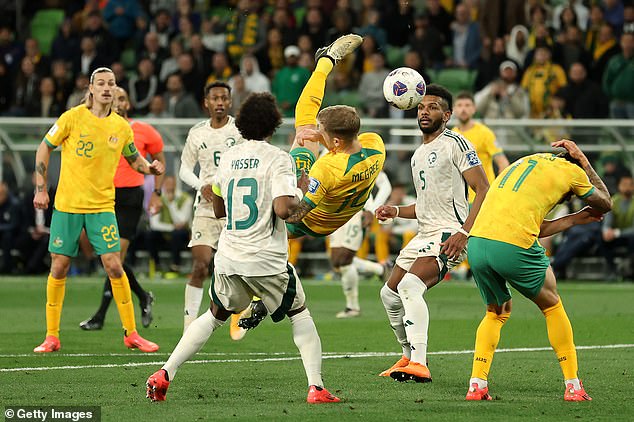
(584, 216)
(385, 212)
(42, 157)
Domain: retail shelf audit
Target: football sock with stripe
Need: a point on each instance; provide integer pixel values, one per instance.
(55, 289)
(123, 298)
(411, 289)
(395, 312)
(561, 339)
(308, 342)
(350, 284)
(487, 339)
(193, 299)
(193, 339)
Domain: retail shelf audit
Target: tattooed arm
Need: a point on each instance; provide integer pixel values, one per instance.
(141, 165)
(298, 212)
(42, 157)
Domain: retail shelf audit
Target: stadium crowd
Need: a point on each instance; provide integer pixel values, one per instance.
(522, 59)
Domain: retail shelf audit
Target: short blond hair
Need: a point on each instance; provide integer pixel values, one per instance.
(341, 121)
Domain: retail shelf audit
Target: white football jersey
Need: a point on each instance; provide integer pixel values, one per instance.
(441, 191)
(205, 145)
(254, 240)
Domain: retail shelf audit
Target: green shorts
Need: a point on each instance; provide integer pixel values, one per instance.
(495, 263)
(101, 228)
(300, 229)
(304, 160)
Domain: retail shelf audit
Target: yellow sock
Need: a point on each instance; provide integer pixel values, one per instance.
(487, 339)
(364, 250)
(313, 94)
(55, 289)
(294, 249)
(381, 245)
(561, 339)
(123, 299)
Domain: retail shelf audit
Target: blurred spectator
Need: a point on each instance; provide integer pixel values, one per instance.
(171, 225)
(605, 48)
(9, 226)
(530, 4)
(152, 50)
(170, 64)
(541, 80)
(254, 80)
(614, 13)
(220, 69)
(157, 108)
(185, 33)
(498, 17)
(33, 238)
(628, 18)
(466, 39)
(63, 81)
(567, 19)
(282, 20)
(583, 97)
(45, 103)
(213, 35)
(121, 76)
(503, 98)
(492, 56)
(41, 62)
(307, 61)
(121, 18)
(90, 58)
(346, 6)
(398, 19)
(143, 87)
(440, 19)
(192, 80)
(373, 28)
(81, 85)
(180, 103)
(10, 50)
(594, 26)
(271, 56)
(184, 9)
(363, 56)
(341, 25)
(245, 33)
(612, 169)
(314, 27)
(105, 44)
(371, 88)
(539, 27)
(239, 93)
(581, 12)
(414, 61)
(571, 49)
(618, 80)
(618, 225)
(427, 41)
(289, 82)
(517, 45)
(26, 86)
(201, 56)
(162, 26)
(6, 88)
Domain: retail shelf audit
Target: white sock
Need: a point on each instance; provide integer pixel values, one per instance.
(416, 319)
(366, 266)
(193, 298)
(308, 342)
(350, 284)
(576, 384)
(395, 312)
(481, 383)
(192, 341)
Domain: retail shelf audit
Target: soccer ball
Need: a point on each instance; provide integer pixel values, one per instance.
(403, 88)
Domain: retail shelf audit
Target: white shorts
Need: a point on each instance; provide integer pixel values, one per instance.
(206, 231)
(280, 293)
(428, 245)
(350, 235)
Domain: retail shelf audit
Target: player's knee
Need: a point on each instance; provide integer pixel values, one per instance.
(112, 266)
(412, 284)
(200, 270)
(60, 265)
(341, 257)
(390, 298)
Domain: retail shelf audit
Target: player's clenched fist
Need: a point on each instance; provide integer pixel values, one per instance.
(157, 168)
(385, 212)
(40, 200)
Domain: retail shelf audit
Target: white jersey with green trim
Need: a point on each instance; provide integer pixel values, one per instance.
(205, 145)
(254, 241)
(441, 190)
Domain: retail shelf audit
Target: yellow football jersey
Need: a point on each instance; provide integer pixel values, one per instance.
(521, 196)
(340, 184)
(483, 140)
(91, 149)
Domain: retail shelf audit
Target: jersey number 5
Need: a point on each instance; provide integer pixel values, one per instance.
(248, 200)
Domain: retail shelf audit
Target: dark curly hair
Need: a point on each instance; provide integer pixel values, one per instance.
(258, 116)
(442, 92)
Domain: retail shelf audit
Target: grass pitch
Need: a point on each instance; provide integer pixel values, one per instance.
(261, 377)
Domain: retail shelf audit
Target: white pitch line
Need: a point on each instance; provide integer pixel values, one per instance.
(330, 355)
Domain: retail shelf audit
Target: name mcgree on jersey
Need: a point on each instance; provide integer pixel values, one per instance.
(367, 173)
(244, 163)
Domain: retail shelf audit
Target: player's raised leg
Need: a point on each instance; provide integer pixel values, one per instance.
(304, 150)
